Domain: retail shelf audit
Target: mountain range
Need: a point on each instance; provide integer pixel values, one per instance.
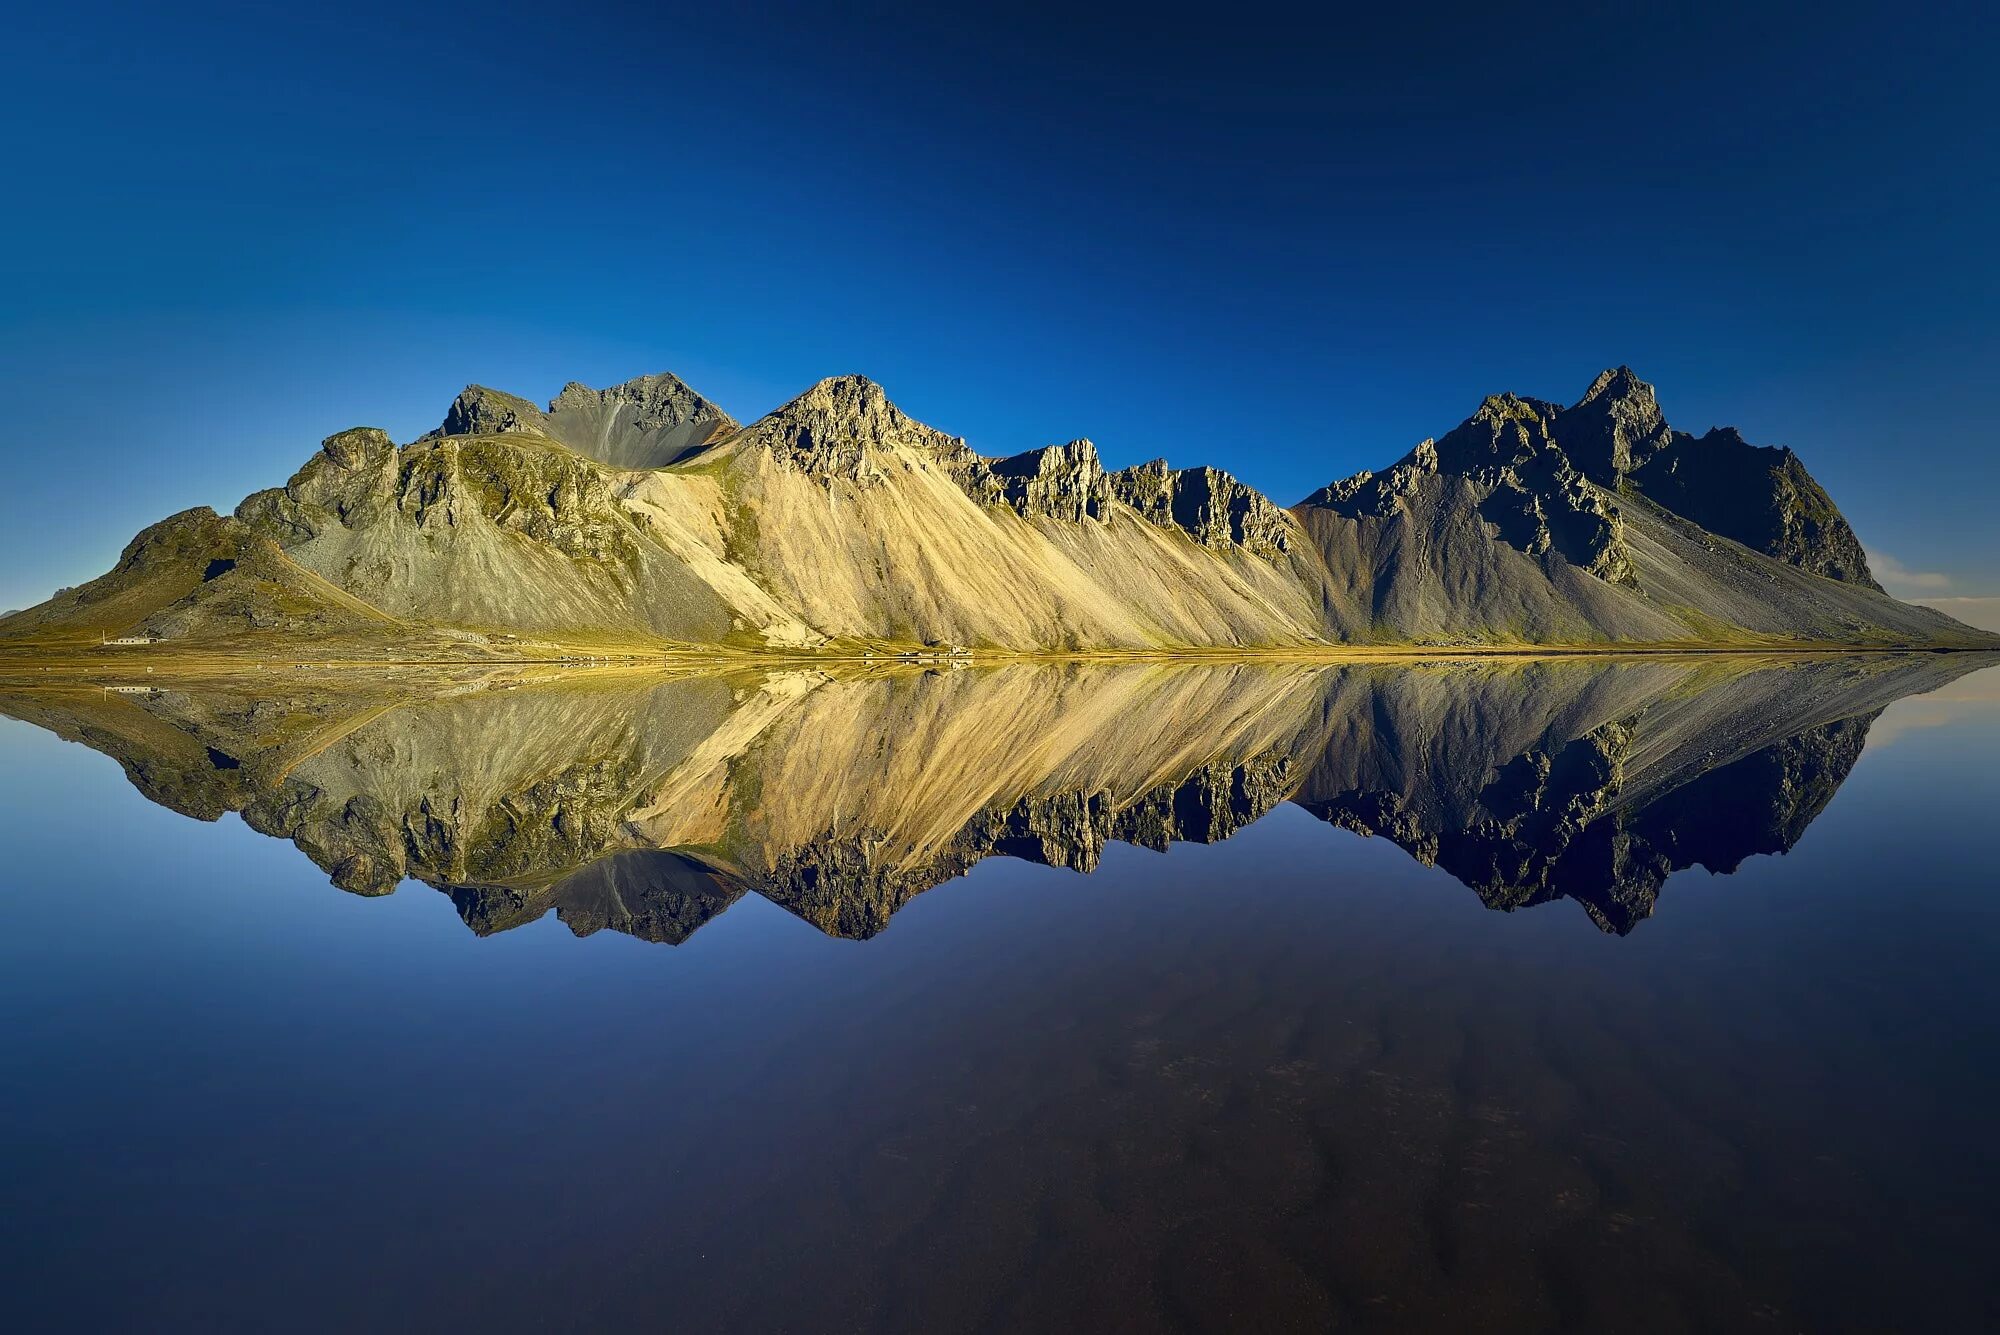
(643, 519)
(648, 802)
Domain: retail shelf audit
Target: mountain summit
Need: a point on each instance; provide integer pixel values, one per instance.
(650, 422)
(1544, 524)
(642, 518)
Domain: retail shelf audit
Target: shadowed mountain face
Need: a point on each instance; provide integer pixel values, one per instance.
(648, 803)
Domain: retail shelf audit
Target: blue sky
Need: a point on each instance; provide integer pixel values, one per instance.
(1286, 242)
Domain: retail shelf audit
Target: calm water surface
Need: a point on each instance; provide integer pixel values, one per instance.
(715, 1055)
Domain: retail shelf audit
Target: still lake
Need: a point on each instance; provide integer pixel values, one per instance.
(1591, 994)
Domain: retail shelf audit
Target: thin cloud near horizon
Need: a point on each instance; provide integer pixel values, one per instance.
(1925, 588)
(1895, 575)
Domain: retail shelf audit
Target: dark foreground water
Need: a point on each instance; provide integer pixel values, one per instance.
(685, 1073)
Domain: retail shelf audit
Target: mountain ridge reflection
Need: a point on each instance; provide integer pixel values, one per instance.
(649, 803)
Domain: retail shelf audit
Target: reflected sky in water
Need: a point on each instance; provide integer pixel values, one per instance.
(1291, 1076)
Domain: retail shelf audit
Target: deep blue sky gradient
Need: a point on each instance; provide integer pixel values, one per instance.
(1289, 243)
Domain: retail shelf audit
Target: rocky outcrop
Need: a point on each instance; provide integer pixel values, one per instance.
(549, 496)
(1208, 505)
(1069, 483)
(1517, 477)
(359, 478)
(479, 411)
(1065, 482)
(354, 480)
(1615, 427)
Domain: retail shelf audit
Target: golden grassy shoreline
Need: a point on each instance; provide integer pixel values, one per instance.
(29, 664)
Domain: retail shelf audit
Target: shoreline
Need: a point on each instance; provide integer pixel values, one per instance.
(26, 666)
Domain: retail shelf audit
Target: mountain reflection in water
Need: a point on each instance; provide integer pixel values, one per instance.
(649, 803)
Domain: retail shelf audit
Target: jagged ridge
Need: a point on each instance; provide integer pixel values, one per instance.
(642, 514)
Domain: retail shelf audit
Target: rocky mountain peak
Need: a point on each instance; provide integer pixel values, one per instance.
(1622, 383)
(1511, 408)
(649, 422)
(1548, 478)
(1615, 427)
(479, 411)
(662, 390)
(851, 401)
(832, 428)
(1506, 430)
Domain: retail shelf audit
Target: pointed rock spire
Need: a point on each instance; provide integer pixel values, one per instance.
(1615, 427)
